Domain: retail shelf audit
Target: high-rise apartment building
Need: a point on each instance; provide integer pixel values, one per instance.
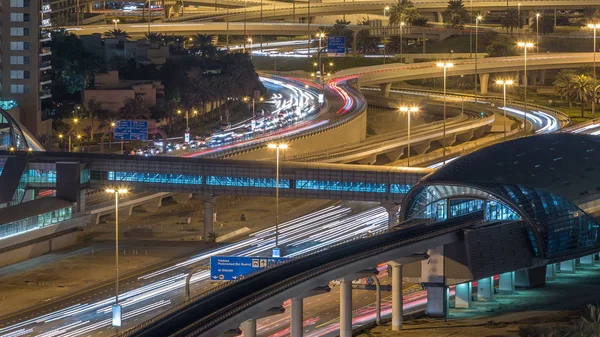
(25, 59)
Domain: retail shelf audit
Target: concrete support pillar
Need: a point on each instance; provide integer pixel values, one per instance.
(432, 275)
(484, 80)
(249, 328)
(397, 300)
(462, 295)
(587, 260)
(567, 266)
(437, 301)
(542, 77)
(209, 225)
(346, 308)
(485, 289)
(551, 272)
(392, 210)
(507, 283)
(81, 201)
(385, 89)
(182, 198)
(531, 278)
(297, 317)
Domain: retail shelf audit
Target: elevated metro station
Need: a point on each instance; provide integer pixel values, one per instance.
(520, 209)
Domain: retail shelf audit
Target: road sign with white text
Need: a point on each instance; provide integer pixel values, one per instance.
(131, 130)
(336, 46)
(228, 268)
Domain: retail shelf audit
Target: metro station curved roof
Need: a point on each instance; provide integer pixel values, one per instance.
(564, 164)
(551, 181)
(14, 134)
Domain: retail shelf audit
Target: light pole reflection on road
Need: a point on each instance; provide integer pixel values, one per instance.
(408, 111)
(116, 309)
(504, 83)
(525, 46)
(594, 27)
(445, 66)
(277, 147)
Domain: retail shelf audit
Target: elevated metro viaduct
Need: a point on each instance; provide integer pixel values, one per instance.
(519, 209)
(70, 174)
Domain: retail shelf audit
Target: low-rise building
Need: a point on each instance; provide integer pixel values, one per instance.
(113, 92)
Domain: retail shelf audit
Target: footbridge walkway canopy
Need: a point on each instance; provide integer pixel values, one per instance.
(212, 177)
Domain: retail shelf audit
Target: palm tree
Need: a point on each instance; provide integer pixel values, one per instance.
(403, 11)
(455, 15)
(562, 82)
(581, 88)
(589, 13)
(365, 42)
(117, 33)
(511, 20)
(154, 37)
(212, 236)
(134, 108)
(203, 43)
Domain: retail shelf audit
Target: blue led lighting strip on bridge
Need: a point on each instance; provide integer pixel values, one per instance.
(322, 185)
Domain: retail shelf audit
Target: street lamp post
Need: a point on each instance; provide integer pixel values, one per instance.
(277, 147)
(227, 19)
(250, 41)
(594, 27)
(525, 46)
(116, 23)
(385, 9)
(477, 19)
(401, 41)
(444, 65)
(60, 139)
(245, 6)
(537, 32)
(504, 83)
(116, 309)
(519, 16)
(110, 136)
(408, 111)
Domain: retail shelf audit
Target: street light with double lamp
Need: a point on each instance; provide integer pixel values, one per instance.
(250, 41)
(504, 83)
(385, 9)
(402, 24)
(277, 147)
(408, 111)
(116, 308)
(537, 32)
(525, 46)
(477, 19)
(594, 27)
(116, 23)
(444, 65)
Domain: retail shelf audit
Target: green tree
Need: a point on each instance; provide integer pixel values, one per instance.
(501, 46)
(203, 44)
(510, 20)
(589, 13)
(421, 21)
(562, 83)
(581, 88)
(154, 37)
(403, 11)
(366, 43)
(455, 15)
(134, 108)
(117, 33)
(340, 28)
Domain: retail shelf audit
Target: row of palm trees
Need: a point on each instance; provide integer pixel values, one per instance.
(576, 87)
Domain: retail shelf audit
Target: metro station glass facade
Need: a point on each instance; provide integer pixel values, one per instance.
(340, 186)
(35, 222)
(562, 226)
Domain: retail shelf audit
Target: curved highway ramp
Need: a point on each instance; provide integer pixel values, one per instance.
(227, 306)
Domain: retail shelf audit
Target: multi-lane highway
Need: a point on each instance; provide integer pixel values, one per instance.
(146, 295)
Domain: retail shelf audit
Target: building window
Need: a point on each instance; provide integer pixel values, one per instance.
(19, 89)
(19, 74)
(19, 31)
(19, 17)
(19, 60)
(19, 45)
(19, 3)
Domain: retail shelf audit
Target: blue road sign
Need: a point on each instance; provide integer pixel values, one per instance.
(131, 130)
(336, 46)
(228, 268)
